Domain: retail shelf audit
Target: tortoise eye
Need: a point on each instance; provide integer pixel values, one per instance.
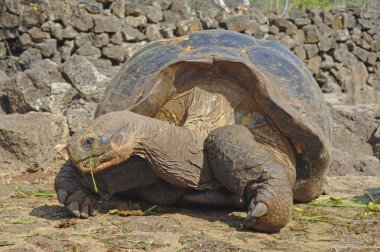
(87, 143)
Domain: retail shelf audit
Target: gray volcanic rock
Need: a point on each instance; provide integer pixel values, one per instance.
(85, 78)
(32, 142)
(26, 91)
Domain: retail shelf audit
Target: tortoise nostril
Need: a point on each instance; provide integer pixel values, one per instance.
(87, 164)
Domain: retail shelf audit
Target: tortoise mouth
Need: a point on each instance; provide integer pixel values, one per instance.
(98, 163)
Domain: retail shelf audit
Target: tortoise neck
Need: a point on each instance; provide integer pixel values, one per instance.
(174, 153)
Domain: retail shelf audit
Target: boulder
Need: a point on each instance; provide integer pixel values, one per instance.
(80, 114)
(188, 26)
(85, 78)
(106, 24)
(114, 53)
(32, 142)
(34, 89)
(353, 127)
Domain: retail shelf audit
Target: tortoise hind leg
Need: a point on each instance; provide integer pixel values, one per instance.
(261, 174)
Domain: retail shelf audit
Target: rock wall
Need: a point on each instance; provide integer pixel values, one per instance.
(59, 56)
(340, 46)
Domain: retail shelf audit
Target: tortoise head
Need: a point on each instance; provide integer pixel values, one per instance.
(109, 140)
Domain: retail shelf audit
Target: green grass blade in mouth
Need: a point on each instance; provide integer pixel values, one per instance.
(92, 173)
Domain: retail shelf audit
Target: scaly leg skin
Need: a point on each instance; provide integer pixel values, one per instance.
(73, 191)
(76, 190)
(263, 175)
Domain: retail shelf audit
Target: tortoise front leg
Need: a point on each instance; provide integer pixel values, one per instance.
(76, 190)
(73, 191)
(263, 175)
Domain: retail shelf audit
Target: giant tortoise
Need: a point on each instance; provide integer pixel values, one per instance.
(215, 118)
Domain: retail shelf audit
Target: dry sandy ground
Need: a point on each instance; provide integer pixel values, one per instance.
(31, 219)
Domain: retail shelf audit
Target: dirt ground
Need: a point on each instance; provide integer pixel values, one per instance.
(31, 219)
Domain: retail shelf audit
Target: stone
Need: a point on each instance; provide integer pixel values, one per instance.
(274, 30)
(107, 24)
(367, 37)
(85, 78)
(8, 20)
(365, 25)
(327, 17)
(80, 114)
(300, 22)
(135, 9)
(300, 52)
(131, 34)
(348, 20)
(47, 48)
(118, 8)
(340, 74)
(13, 6)
(363, 44)
(314, 64)
(181, 6)
(325, 44)
(82, 21)
(31, 17)
(26, 89)
(3, 50)
(94, 8)
(114, 53)
(283, 24)
(25, 40)
(314, 15)
(311, 50)
(238, 23)
(60, 97)
(374, 80)
(66, 50)
(372, 58)
(32, 142)
(256, 30)
(299, 37)
(37, 34)
(328, 62)
(357, 89)
(288, 42)
(360, 53)
(132, 48)
(341, 35)
(167, 30)
(116, 38)
(135, 22)
(312, 34)
(327, 83)
(69, 33)
(338, 22)
(29, 57)
(87, 49)
(352, 126)
(82, 39)
(153, 32)
(340, 52)
(188, 26)
(375, 46)
(56, 30)
(356, 34)
(154, 14)
(100, 40)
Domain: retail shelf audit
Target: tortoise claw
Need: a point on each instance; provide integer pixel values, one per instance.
(259, 210)
(72, 192)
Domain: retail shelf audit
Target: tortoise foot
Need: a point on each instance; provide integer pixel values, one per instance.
(270, 208)
(262, 174)
(72, 192)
